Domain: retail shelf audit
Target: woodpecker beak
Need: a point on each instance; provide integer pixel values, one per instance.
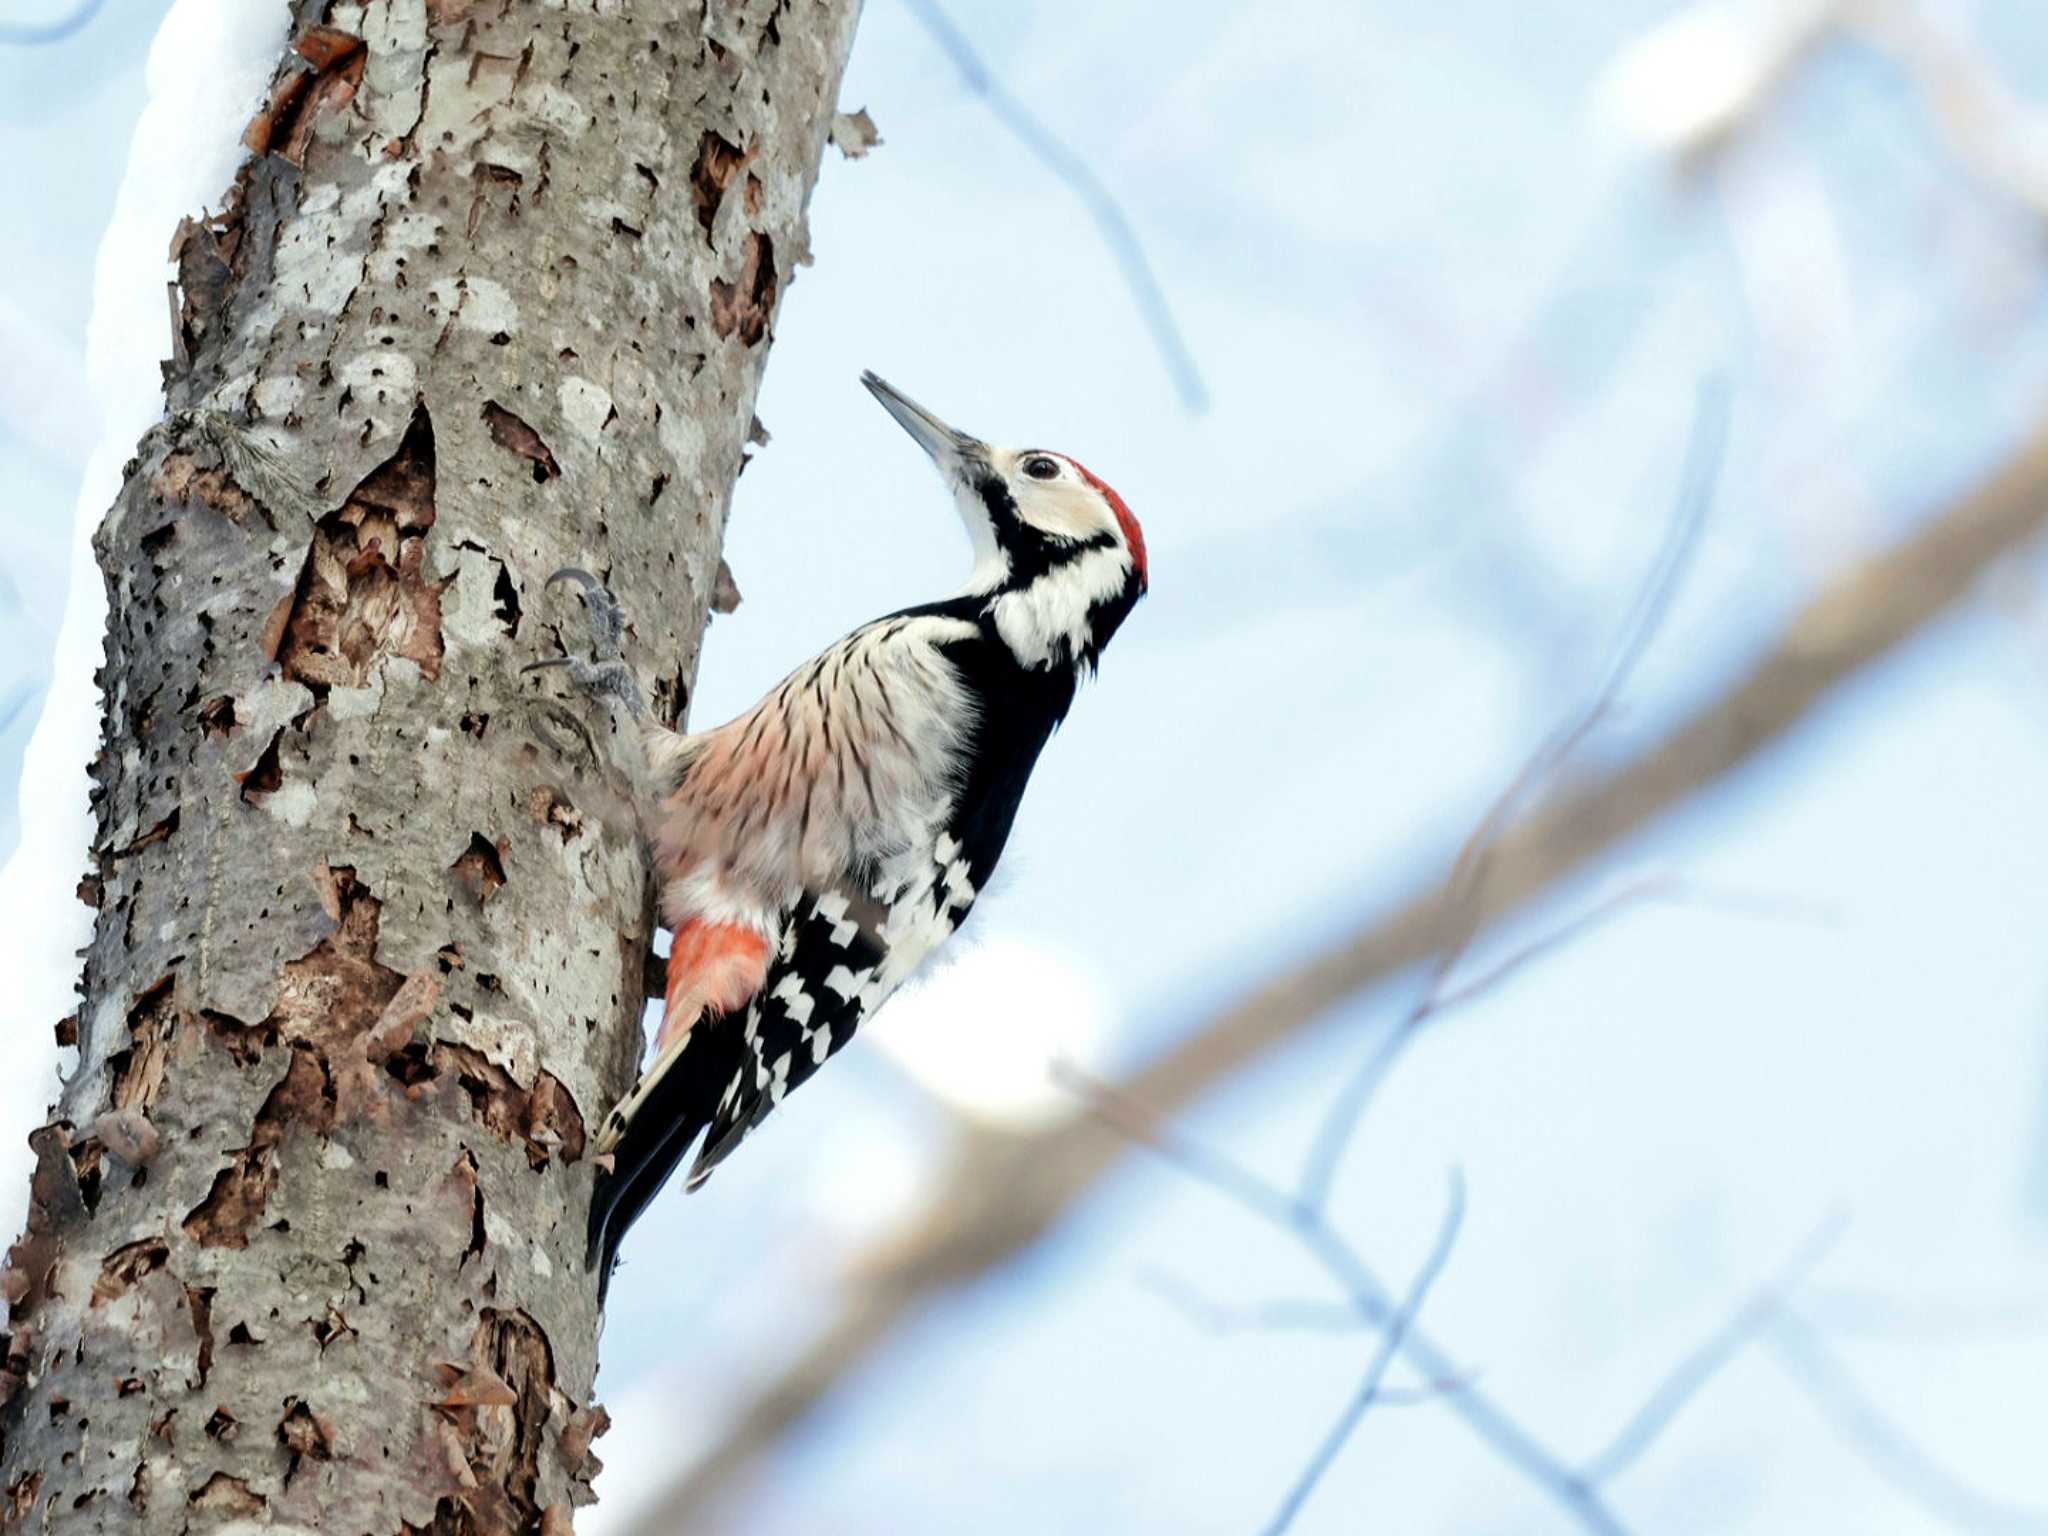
(949, 449)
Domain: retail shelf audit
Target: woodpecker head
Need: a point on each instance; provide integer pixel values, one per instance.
(1057, 554)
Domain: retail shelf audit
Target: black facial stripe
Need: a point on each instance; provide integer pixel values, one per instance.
(996, 497)
(1032, 554)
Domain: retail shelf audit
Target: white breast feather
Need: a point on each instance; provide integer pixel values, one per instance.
(1048, 620)
(850, 762)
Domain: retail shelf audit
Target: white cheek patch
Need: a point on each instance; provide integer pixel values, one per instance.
(1048, 620)
(1062, 509)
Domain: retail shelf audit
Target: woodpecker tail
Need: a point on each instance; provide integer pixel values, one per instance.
(714, 968)
(675, 1100)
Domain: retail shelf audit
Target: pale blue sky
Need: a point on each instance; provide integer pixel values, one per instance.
(1452, 326)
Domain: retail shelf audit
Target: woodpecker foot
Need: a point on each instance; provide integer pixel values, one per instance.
(605, 675)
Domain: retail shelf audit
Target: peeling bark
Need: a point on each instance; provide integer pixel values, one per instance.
(305, 1233)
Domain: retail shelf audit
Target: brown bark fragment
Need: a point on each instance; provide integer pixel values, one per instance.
(138, 1071)
(21, 1496)
(515, 436)
(301, 97)
(551, 808)
(585, 1426)
(161, 832)
(266, 775)
(545, 1118)
(362, 594)
(480, 868)
(744, 307)
(412, 1002)
(478, 1387)
(269, 119)
(181, 478)
(241, 1190)
(228, 1497)
(854, 133)
(305, 1435)
(718, 161)
(325, 47)
(217, 715)
(129, 1135)
(126, 1266)
(725, 594)
(500, 1440)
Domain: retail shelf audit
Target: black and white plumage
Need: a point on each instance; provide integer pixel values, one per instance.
(815, 850)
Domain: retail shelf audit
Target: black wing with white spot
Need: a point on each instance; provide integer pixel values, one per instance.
(843, 950)
(815, 996)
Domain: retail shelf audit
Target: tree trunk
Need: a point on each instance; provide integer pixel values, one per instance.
(492, 296)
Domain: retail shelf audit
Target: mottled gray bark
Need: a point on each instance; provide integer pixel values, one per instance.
(492, 296)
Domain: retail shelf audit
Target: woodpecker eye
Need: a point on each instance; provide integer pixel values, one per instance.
(1040, 467)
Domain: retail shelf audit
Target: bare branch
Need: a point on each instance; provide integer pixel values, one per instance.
(1390, 1344)
(1852, 1311)
(1884, 1446)
(1468, 875)
(34, 35)
(1102, 206)
(1368, 1295)
(1204, 1164)
(1639, 892)
(1702, 1364)
(1854, 622)
(1007, 1189)
(1285, 1315)
(1994, 136)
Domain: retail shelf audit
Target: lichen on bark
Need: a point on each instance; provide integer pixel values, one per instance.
(305, 1231)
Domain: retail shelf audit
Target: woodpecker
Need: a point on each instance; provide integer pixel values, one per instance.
(814, 851)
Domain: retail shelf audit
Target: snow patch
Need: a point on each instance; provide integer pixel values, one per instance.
(208, 68)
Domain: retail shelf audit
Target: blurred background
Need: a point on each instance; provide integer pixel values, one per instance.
(1754, 1156)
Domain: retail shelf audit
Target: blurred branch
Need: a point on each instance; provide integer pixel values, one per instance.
(1102, 205)
(1470, 871)
(1994, 136)
(1304, 1213)
(1698, 81)
(1844, 1311)
(1700, 78)
(1007, 1188)
(29, 35)
(1813, 1366)
(1371, 1305)
(1391, 1338)
(1698, 1368)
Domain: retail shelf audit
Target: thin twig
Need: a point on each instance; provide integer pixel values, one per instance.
(1851, 1311)
(1102, 206)
(1368, 1295)
(1465, 886)
(1879, 1440)
(1204, 1164)
(26, 35)
(1663, 888)
(1285, 1315)
(1990, 132)
(1391, 1338)
(1704, 1362)
(1006, 1191)
(1575, 927)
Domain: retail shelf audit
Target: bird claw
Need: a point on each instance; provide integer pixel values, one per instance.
(607, 618)
(606, 675)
